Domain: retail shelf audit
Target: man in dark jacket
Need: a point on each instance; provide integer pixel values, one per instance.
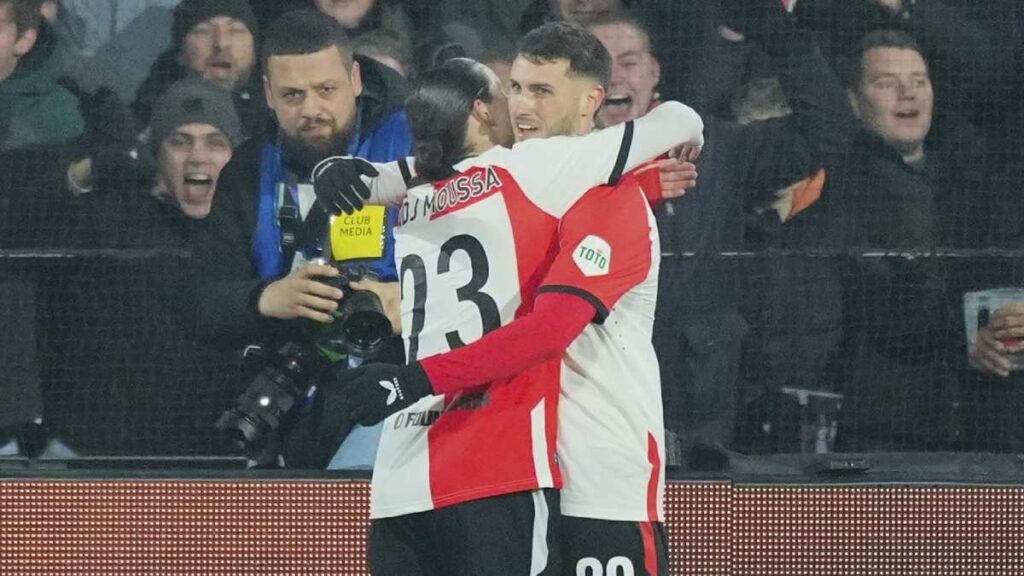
(698, 327)
(326, 102)
(43, 124)
(110, 338)
(129, 379)
(214, 39)
(908, 186)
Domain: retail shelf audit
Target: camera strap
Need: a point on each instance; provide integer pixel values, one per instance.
(298, 233)
(289, 221)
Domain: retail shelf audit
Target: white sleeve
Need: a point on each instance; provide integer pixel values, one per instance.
(555, 172)
(388, 188)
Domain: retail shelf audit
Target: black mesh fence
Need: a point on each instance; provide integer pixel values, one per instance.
(812, 287)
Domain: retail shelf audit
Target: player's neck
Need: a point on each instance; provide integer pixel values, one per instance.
(586, 126)
(479, 137)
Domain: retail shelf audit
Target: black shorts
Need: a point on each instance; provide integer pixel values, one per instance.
(511, 535)
(611, 548)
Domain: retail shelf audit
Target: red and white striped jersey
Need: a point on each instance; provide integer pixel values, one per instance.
(473, 252)
(610, 416)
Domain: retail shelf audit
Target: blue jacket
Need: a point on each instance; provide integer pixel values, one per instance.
(236, 249)
(390, 140)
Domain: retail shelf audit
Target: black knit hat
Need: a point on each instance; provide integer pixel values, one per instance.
(194, 101)
(192, 12)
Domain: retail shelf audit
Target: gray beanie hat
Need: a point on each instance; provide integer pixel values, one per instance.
(194, 101)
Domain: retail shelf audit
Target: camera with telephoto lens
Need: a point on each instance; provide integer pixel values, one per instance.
(360, 326)
(287, 375)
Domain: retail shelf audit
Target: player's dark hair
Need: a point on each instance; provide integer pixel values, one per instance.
(586, 54)
(883, 38)
(306, 31)
(438, 108)
(26, 14)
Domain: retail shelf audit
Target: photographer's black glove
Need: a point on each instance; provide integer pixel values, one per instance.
(339, 185)
(373, 392)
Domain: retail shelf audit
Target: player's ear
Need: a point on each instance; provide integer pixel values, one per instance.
(268, 92)
(593, 98)
(854, 102)
(356, 78)
(482, 113)
(25, 42)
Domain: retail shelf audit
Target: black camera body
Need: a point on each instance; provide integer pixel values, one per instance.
(360, 325)
(284, 377)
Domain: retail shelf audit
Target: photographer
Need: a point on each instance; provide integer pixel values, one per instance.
(246, 285)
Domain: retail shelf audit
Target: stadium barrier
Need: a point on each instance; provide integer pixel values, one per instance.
(279, 526)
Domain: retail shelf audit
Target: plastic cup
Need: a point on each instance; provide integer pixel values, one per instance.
(980, 305)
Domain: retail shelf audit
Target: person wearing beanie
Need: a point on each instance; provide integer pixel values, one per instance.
(194, 125)
(193, 131)
(214, 40)
(132, 351)
(191, 13)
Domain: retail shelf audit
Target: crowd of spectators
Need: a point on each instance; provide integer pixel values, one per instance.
(862, 172)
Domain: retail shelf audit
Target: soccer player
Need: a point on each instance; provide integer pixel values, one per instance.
(507, 251)
(611, 428)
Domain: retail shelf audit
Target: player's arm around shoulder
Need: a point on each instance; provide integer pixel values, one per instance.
(555, 172)
(669, 177)
(347, 183)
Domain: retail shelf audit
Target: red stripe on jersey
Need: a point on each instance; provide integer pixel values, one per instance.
(474, 429)
(650, 548)
(536, 239)
(652, 483)
(467, 188)
(494, 411)
(648, 175)
(606, 218)
(536, 245)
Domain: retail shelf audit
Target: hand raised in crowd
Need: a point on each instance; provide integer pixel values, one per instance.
(1000, 339)
(301, 295)
(109, 166)
(338, 183)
